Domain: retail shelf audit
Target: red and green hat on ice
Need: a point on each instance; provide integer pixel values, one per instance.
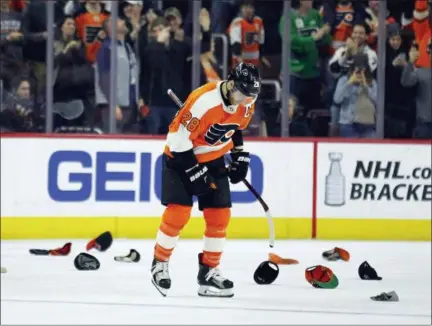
(321, 277)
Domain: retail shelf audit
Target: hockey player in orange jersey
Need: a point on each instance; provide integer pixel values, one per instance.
(208, 126)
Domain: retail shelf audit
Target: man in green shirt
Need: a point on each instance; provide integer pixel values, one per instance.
(309, 35)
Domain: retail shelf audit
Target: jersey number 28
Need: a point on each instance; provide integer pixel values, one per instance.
(191, 124)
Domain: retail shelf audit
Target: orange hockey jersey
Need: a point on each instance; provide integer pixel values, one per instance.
(250, 35)
(88, 26)
(422, 30)
(343, 23)
(206, 125)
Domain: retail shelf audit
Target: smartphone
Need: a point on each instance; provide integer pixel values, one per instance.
(401, 56)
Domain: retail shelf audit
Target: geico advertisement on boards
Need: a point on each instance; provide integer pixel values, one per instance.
(119, 177)
(374, 180)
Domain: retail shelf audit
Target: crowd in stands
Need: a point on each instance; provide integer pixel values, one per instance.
(333, 64)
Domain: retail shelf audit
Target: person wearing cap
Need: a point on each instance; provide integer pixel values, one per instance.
(108, 3)
(175, 19)
(130, 11)
(356, 97)
(341, 61)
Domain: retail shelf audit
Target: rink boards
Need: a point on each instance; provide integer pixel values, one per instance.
(79, 186)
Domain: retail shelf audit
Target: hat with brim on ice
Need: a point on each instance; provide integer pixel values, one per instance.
(266, 273)
(367, 272)
(86, 262)
(321, 277)
(101, 243)
(332, 284)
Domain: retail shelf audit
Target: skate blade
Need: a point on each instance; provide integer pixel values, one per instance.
(211, 291)
(161, 290)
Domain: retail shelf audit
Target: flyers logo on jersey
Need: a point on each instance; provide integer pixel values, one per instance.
(349, 18)
(220, 133)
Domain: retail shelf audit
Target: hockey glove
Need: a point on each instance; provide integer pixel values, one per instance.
(239, 166)
(198, 180)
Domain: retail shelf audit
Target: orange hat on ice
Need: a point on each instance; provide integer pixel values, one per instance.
(336, 254)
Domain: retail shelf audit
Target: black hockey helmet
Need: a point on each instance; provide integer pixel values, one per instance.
(247, 79)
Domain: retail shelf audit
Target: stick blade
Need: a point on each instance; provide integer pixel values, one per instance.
(271, 228)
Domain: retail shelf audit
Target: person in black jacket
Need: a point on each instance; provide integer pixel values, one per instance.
(12, 40)
(11, 33)
(399, 100)
(163, 68)
(35, 35)
(146, 23)
(74, 77)
(130, 12)
(17, 107)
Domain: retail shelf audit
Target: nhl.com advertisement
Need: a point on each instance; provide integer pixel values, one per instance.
(371, 181)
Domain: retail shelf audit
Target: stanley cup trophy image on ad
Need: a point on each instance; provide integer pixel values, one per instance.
(335, 182)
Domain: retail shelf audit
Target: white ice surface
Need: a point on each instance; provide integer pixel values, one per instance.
(49, 290)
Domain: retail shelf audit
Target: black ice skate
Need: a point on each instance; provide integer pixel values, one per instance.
(212, 283)
(160, 276)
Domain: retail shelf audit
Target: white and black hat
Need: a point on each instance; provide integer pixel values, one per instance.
(86, 262)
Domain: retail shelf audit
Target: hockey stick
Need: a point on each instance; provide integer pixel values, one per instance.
(247, 184)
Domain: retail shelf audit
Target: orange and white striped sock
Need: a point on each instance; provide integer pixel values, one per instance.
(217, 220)
(174, 218)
